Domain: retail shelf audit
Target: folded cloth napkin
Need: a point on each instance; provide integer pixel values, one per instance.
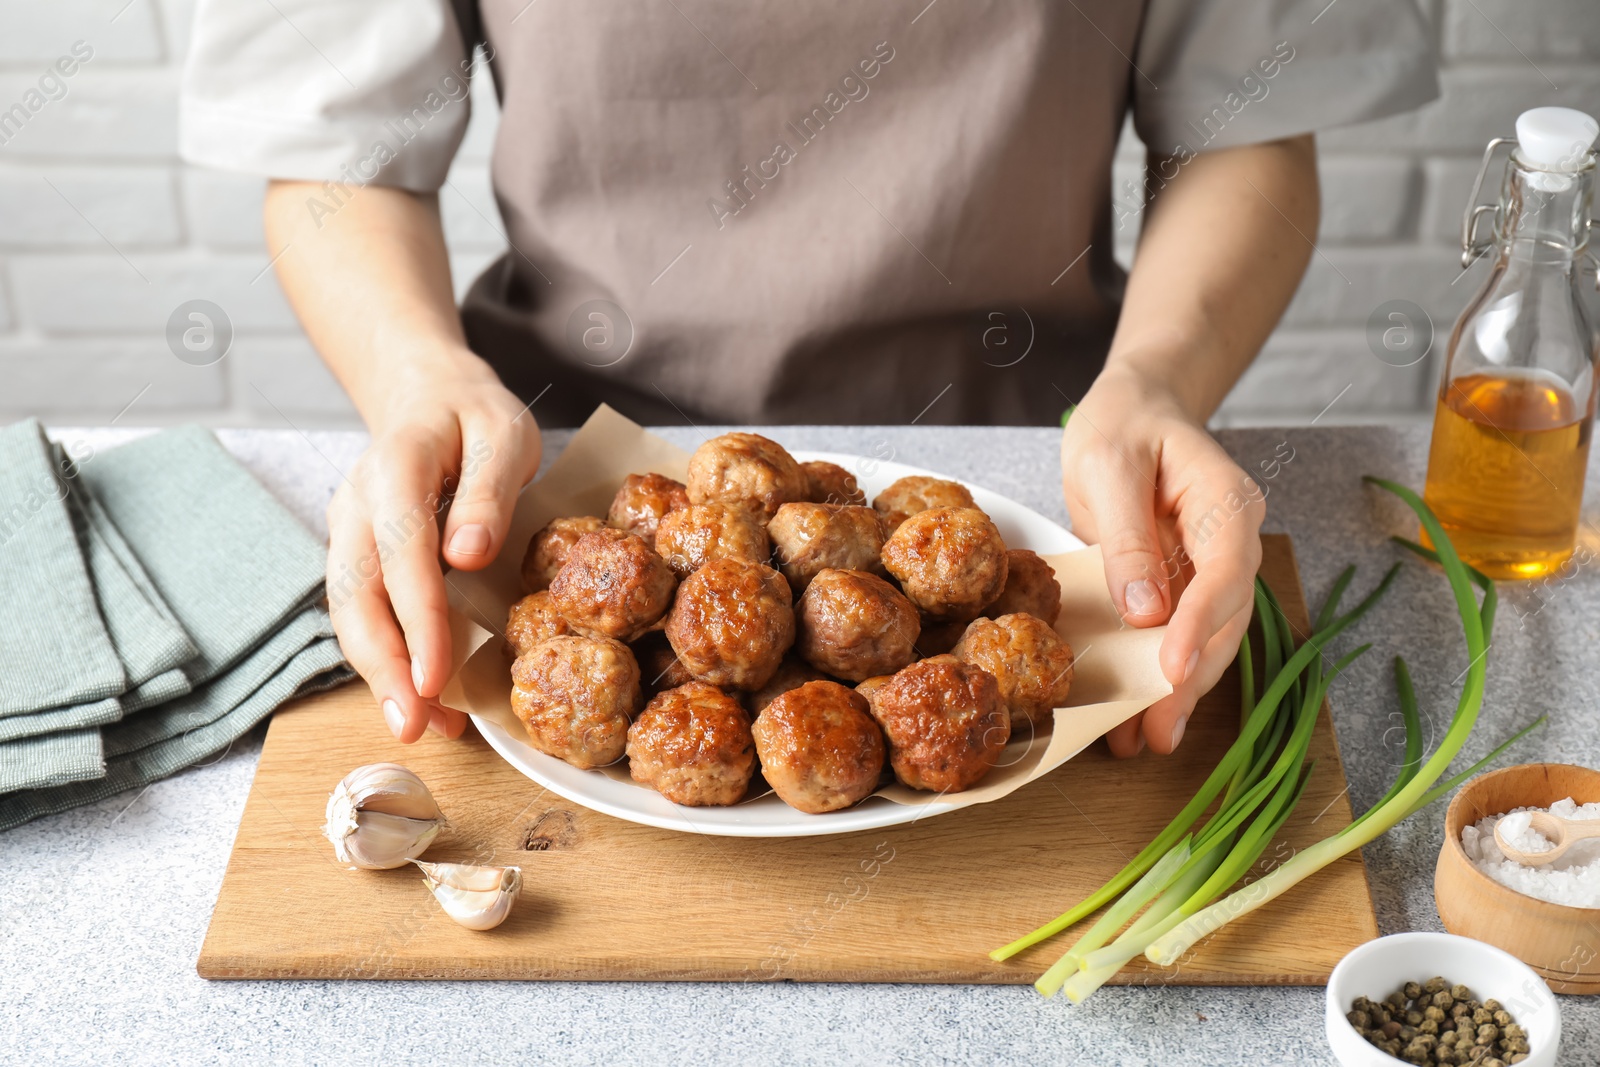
(230, 561)
(54, 647)
(157, 743)
(203, 611)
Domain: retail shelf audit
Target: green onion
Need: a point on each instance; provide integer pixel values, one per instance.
(1475, 621)
(1178, 878)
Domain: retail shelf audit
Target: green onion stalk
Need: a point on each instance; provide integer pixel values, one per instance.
(1178, 878)
(1415, 783)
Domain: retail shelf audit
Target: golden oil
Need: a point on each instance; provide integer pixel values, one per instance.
(1506, 470)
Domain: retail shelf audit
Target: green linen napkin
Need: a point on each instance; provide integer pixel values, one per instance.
(149, 640)
(224, 555)
(54, 647)
(206, 583)
(317, 666)
(50, 760)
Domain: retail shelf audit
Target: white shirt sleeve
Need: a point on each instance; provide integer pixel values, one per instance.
(353, 91)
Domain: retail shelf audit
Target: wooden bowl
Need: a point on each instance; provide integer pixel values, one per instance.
(1561, 943)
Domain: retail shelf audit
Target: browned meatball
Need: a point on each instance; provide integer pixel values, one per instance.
(870, 687)
(820, 750)
(829, 483)
(950, 561)
(642, 500)
(659, 668)
(809, 537)
(918, 492)
(944, 721)
(1031, 586)
(692, 745)
(854, 625)
(532, 619)
(547, 552)
(613, 585)
(792, 673)
(1028, 659)
(575, 696)
(692, 537)
(732, 622)
(747, 470)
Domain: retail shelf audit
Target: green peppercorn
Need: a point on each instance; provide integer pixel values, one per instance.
(1429, 1027)
(1482, 1015)
(1493, 1004)
(1460, 992)
(1443, 999)
(1515, 1030)
(1434, 984)
(1412, 990)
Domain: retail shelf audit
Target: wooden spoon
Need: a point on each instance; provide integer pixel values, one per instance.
(1561, 833)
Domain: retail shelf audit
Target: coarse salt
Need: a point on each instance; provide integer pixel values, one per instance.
(1573, 880)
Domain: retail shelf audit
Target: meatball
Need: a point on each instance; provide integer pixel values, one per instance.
(871, 686)
(547, 552)
(575, 696)
(855, 625)
(950, 561)
(747, 470)
(613, 585)
(732, 622)
(533, 619)
(1028, 659)
(1031, 586)
(820, 750)
(642, 500)
(692, 745)
(944, 721)
(918, 492)
(809, 537)
(659, 668)
(792, 673)
(829, 483)
(692, 537)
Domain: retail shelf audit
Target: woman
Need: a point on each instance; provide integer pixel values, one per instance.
(826, 212)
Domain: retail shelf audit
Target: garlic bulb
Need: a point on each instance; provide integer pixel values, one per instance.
(478, 898)
(380, 816)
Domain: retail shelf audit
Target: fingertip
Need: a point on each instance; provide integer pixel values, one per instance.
(470, 547)
(446, 722)
(406, 723)
(1126, 739)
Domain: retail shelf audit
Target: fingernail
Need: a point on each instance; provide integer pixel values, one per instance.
(1177, 730)
(1142, 597)
(470, 540)
(394, 717)
(1193, 662)
(417, 676)
(436, 722)
(1141, 744)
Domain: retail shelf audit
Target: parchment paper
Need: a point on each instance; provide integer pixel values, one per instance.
(1116, 673)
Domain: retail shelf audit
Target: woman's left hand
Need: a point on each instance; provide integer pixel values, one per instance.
(1173, 515)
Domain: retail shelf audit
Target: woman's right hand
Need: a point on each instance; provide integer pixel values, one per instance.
(451, 443)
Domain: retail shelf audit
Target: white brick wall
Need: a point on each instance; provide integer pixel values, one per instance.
(103, 231)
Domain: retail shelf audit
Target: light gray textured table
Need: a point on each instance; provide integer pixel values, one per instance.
(102, 910)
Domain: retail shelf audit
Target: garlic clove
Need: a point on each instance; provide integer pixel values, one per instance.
(477, 897)
(380, 816)
(390, 788)
(380, 841)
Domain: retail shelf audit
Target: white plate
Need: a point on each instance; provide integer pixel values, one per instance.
(767, 816)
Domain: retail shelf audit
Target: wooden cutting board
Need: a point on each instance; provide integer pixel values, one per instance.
(605, 899)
